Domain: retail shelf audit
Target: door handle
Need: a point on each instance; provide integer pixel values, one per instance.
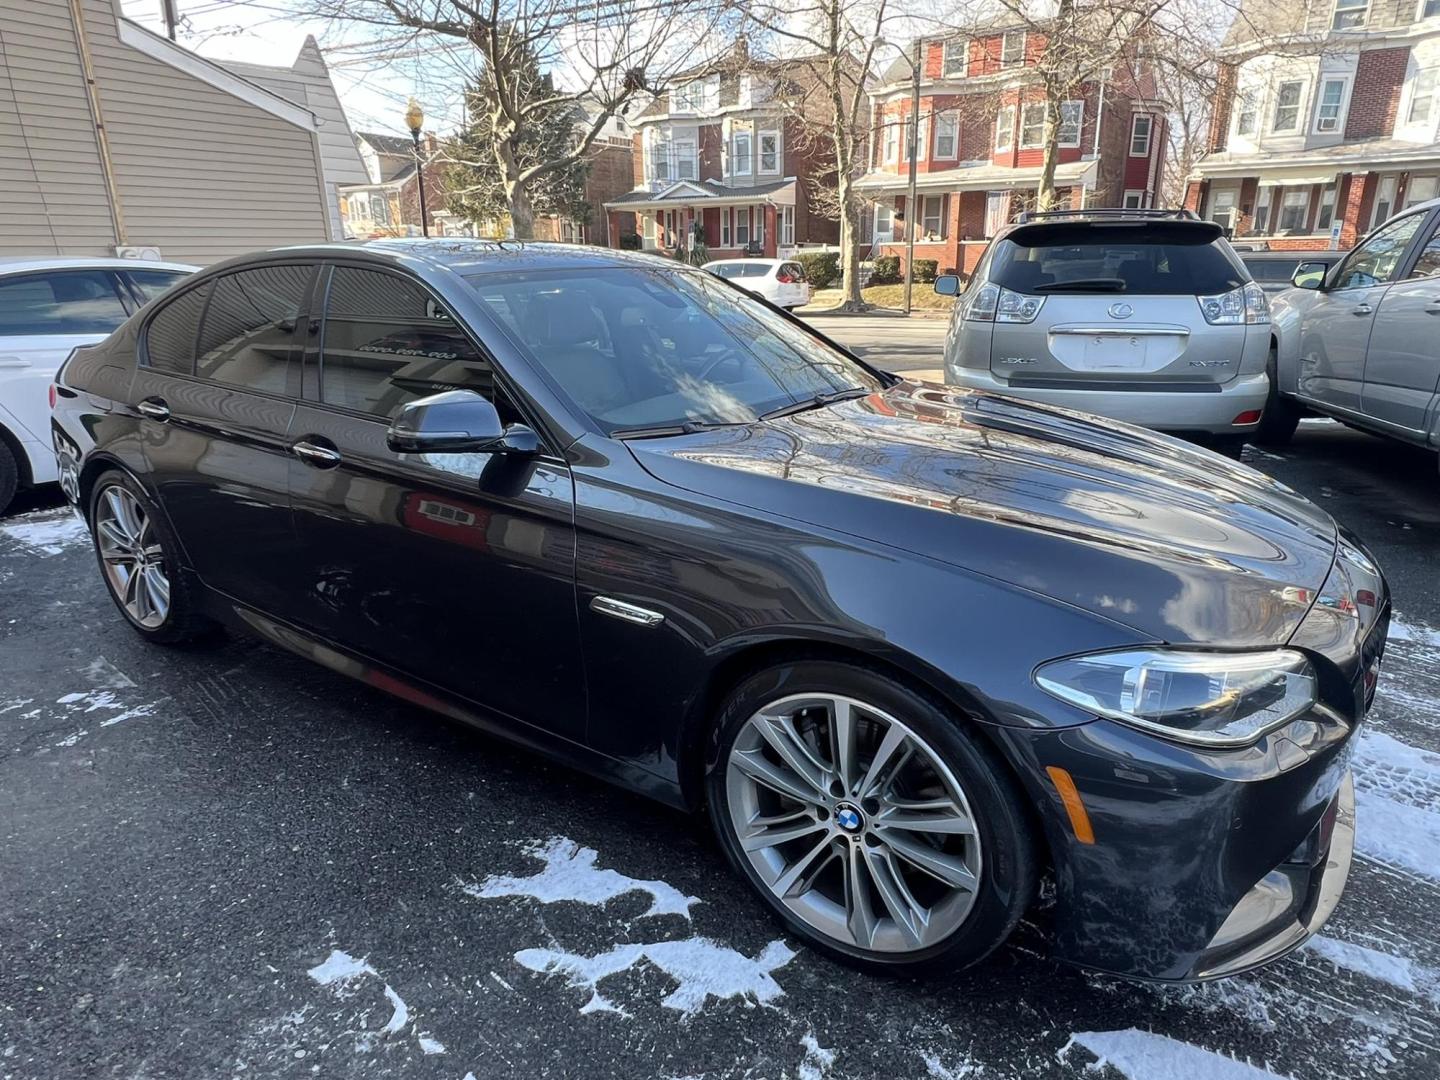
(1433, 307)
(1362, 309)
(321, 457)
(155, 409)
(13, 362)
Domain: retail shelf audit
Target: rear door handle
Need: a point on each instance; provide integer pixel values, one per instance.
(13, 362)
(1362, 309)
(321, 457)
(155, 409)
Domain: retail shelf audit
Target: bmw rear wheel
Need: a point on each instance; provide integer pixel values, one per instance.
(867, 818)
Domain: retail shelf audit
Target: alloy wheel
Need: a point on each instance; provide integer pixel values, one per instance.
(132, 557)
(854, 823)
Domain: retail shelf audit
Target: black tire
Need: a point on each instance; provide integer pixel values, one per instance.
(185, 623)
(1009, 871)
(9, 476)
(1282, 415)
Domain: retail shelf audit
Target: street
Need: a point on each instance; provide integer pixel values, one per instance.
(905, 346)
(233, 862)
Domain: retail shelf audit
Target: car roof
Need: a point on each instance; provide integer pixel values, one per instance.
(58, 262)
(1302, 256)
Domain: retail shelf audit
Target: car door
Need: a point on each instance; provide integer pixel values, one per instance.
(1402, 366)
(454, 569)
(43, 316)
(216, 389)
(1335, 333)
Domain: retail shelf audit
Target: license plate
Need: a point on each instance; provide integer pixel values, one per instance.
(1114, 354)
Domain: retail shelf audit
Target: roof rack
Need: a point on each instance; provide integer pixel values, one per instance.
(1106, 212)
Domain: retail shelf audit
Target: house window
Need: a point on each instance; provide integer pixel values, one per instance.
(1012, 48)
(759, 214)
(647, 227)
(787, 225)
(1032, 125)
(1287, 106)
(1005, 129)
(1349, 14)
(688, 97)
(932, 216)
(1327, 112)
(1384, 201)
(884, 223)
(1140, 127)
(953, 61)
(1422, 97)
(1133, 200)
(740, 156)
(1261, 224)
(380, 209)
(769, 151)
(1294, 208)
(1429, 8)
(1420, 189)
(1222, 207)
(725, 227)
(1072, 113)
(1247, 113)
(892, 140)
(659, 160)
(997, 211)
(742, 226)
(684, 160)
(947, 130)
(1326, 214)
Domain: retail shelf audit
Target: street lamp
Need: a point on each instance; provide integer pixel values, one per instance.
(415, 120)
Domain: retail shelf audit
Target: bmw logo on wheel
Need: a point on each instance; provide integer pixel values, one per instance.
(847, 817)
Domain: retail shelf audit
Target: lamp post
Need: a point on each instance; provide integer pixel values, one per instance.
(415, 120)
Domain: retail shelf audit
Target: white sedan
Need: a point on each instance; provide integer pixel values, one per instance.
(48, 306)
(780, 281)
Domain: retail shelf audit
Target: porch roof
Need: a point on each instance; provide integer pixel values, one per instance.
(1318, 165)
(977, 178)
(706, 192)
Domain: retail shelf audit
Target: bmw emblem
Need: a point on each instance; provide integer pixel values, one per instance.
(1121, 311)
(847, 817)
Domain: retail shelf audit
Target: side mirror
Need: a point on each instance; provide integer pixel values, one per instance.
(948, 285)
(1309, 275)
(456, 422)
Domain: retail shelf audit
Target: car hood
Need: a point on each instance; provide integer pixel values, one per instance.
(1178, 543)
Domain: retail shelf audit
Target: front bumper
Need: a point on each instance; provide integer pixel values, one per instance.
(1211, 413)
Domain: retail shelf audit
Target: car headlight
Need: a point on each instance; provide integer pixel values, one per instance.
(1205, 698)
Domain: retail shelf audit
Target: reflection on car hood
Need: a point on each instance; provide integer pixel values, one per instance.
(1176, 542)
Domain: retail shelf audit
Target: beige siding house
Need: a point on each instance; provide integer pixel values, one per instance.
(114, 137)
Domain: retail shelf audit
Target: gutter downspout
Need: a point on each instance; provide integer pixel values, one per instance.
(102, 140)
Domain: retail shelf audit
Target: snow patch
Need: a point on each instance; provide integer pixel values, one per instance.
(48, 532)
(702, 967)
(570, 874)
(1398, 971)
(938, 1070)
(81, 703)
(1397, 795)
(1143, 1055)
(818, 1060)
(105, 675)
(429, 1045)
(1420, 633)
(340, 968)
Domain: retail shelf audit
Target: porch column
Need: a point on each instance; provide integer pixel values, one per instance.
(1352, 206)
(771, 237)
(1195, 192)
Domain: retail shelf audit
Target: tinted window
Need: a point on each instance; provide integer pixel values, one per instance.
(794, 270)
(151, 283)
(656, 348)
(170, 336)
(71, 302)
(1428, 262)
(1149, 261)
(741, 269)
(248, 331)
(386, 343)
(1272, 269)
(1376, 261)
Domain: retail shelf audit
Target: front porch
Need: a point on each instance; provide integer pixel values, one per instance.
(730, 222)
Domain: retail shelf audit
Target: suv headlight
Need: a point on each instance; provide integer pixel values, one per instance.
(1247, 304)
(1204, 698)
(994, 303)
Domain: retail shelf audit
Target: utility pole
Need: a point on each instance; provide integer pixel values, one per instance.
(912, 214)
(170, 11)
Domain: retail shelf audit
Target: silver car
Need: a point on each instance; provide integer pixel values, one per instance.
(1363, 344)
(1144, 316)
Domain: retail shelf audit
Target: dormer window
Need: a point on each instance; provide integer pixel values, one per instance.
(1422, 97)
(1350, 14)
(687, 97)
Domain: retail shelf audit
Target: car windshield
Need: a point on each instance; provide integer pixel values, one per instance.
(644, 350)
(1153, 260)
(1272, 270)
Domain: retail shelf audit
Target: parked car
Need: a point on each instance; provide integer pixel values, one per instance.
(914, 647)
(47, 307)
(1361, 344)
(1146, 316)
(780, 281)
(1275, 271)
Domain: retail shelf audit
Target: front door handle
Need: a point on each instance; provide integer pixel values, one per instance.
(155, 409)
(1362, 309)
(1433, 307)
(321, 457)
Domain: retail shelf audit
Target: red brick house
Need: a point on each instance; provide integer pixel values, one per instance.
(389, 203)
(1325, 122)
(611, 176)
(723, 149)
(980, 147)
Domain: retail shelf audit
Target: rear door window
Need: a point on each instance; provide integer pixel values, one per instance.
(742, 270)
(64, 302)
(171, 333)
(1155, 259)
(152, 283)
(247, 335)
(1377, 260)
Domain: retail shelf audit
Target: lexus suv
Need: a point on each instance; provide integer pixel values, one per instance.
(1146, 316)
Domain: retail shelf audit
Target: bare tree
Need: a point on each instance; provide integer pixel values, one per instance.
(602, 54)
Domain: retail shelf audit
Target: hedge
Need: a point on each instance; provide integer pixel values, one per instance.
(822, 268)
(885, 270)
(925, 270)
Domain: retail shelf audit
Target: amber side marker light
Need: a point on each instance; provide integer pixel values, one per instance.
(1079, 819)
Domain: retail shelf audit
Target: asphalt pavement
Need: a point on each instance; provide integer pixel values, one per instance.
(233, 863)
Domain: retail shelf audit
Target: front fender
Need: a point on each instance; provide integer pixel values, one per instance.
(1287, 317)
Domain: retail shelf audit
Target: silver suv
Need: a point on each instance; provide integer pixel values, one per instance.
(1146, 316)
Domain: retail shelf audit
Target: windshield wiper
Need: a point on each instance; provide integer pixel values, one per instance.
(817, 401)
(1099, 284)
(659, 431)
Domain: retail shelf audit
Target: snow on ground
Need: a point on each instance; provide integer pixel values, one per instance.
(46, 532)
(570, 873)
(345, 974)
(1398, 971)
(1143, 1055)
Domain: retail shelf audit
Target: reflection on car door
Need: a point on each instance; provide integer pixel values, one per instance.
(216, 389)
(455, 569)
(1402, 368)
(1336, 330)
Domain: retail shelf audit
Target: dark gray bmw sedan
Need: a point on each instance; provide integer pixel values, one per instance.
(915, 650)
